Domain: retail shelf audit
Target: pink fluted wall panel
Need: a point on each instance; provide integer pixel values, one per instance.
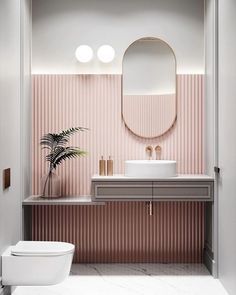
(149, 115)
(94, 101)
(124, 232)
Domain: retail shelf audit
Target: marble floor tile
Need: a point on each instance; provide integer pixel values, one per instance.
(133, 279)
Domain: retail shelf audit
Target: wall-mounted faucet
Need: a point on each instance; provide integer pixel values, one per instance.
(158, 152)
(149, 151)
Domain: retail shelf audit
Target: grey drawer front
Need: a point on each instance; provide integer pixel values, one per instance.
(120, 190)
(183, 190)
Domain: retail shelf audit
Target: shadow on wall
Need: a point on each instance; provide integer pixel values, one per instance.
(111, 8)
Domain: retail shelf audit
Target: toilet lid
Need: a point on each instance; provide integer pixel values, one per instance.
(33, 248)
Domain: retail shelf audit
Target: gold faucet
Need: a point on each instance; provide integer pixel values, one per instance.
(158, 152)
(149, 151)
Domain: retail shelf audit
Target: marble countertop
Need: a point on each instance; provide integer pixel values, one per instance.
(179, 177)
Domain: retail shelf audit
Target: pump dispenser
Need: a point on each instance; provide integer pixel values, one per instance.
(102, 167)
(109, 166)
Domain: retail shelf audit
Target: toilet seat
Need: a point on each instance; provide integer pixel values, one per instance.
(31, 263)
(35, 248)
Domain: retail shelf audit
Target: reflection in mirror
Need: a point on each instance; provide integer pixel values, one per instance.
(149, 87)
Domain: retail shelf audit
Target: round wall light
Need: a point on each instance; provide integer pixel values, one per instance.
(84, 53)
(106, 53)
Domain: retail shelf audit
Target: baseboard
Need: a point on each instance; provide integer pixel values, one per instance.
(208, 259)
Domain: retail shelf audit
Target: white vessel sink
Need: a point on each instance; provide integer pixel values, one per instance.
(150, 168)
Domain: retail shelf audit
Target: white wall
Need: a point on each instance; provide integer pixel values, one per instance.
(210, 125)
(227, 145)
(12, 83)
(10, 207)
(210, 87)
(26, 28)
(59, 26)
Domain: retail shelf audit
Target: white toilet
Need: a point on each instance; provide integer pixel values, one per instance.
(31, 263)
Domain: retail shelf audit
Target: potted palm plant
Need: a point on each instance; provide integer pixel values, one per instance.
(56, 144)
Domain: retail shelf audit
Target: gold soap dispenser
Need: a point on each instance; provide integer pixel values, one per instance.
(102, 167)
(109, 166)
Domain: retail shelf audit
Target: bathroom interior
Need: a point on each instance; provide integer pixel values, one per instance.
(117, 147)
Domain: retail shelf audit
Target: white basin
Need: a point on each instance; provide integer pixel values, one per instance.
(150, 168)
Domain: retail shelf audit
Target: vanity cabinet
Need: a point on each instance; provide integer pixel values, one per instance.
(122, 190)
(183, 190)
(147, 221)
(189, 188)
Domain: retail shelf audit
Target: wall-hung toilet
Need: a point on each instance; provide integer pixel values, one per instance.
(30, 263)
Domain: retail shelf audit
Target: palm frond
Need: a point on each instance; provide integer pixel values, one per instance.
(51, 140)
(68, 153)
(51, 157)
(70, 131)
(60, 139)
(47, 140)
(56, 143)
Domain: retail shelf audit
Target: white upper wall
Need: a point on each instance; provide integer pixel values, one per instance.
(227, 142)
(60, 26)
(10, 199)
(15, 24)
(209, 87)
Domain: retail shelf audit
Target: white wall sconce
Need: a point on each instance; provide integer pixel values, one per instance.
(105, 53)
(84, 53)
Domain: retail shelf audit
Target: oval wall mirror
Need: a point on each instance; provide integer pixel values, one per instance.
(149, 87)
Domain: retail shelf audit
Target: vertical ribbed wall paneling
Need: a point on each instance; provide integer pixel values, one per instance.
(157, 111)
(122, 231)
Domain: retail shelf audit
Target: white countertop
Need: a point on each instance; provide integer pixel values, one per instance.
(69, 200)
(179, 177)
(87, 200)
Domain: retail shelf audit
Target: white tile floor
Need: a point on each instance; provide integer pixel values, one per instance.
(133, 279)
